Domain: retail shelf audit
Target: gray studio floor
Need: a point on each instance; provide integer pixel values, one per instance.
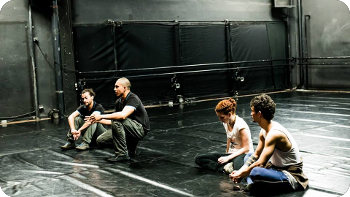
(32, 163)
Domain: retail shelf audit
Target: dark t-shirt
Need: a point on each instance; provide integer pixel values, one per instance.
(83, 110)
(140, 113)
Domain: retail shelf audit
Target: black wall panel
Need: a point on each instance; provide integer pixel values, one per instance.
(145, 46)
(126, 50)
(153, 90)
(16, 83)
(95, 51)
(103, 87)
(277, 35)
(249, 42)
(155, 56)
(203, 44)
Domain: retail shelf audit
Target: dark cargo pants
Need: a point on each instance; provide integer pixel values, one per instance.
(124, 136)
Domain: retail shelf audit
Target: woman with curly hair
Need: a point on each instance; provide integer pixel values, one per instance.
(238, 144)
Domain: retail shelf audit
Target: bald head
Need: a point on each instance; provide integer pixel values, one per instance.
(125, 82)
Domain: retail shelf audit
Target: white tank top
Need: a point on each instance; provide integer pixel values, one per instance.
(234, 135)
(280, 158)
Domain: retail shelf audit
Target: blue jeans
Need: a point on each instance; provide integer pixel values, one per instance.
(265, 175)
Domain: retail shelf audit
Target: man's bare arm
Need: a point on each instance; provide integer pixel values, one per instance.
(71, 120)
(267, 151)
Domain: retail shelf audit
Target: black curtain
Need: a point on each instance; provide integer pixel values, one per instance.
(248, 43)
(156, 56)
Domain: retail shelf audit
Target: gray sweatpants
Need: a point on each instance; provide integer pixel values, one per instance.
(88, 133)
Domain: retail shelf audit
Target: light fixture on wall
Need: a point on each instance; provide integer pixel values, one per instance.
(283, 4)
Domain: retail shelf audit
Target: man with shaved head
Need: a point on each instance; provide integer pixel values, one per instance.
(130, 122)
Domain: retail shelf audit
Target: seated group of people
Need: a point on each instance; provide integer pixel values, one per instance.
(129, 123)
(276, 162)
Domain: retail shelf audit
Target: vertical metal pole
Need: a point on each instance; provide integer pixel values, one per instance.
(306, 49)
(231, 75)
(288, 24)
(57, 58)
(115, 45)
(32, 61)
(301, 56)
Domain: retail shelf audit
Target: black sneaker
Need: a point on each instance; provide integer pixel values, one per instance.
(68, 145)
(120, 158)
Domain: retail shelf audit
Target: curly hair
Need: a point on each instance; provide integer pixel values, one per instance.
(226, 106)
(265, 105)
(90, 91)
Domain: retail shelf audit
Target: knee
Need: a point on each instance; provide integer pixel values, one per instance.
(116, 125)
(93, 126)
(246, 157)
(77, 120)
(196, 160)
(99, 140)
(255, 172)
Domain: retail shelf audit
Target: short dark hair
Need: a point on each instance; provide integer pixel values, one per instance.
(265, 105)
(90, 91)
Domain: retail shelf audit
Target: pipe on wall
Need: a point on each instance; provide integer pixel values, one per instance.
(57, 58)
(32, 61)
(300, 33)
(306, 49)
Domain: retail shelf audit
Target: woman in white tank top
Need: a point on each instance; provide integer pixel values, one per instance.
(238, 141)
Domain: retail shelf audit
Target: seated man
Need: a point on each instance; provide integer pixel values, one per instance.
(129, 123)
(276, 163)
(78, 126)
